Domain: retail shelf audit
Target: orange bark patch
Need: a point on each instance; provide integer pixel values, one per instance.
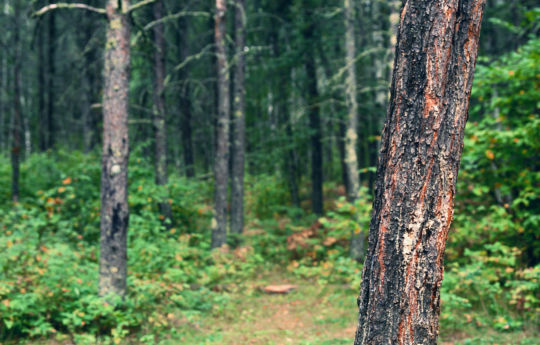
(381, 256)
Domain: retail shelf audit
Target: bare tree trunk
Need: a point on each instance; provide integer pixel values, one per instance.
(221, 171)
(51, 53)
(17, 111)
(185, 101)
(351, 135)
(416, 180)
(160, 128)
(42, 135)
(3, 107)
(341, 132)
(114, 173)
(239, 124)
(314, 124)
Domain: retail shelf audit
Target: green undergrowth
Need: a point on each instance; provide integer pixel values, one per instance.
(181, 291)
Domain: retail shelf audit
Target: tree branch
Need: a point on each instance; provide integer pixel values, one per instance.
(176, 16)
(66, 5)
(139, 4)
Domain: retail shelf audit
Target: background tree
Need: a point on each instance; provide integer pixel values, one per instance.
(114, 206)
(160, 125)
(17, 109)
(221, 172)
(313, 110)
(238, 122)
(351, 133)
(417, 174)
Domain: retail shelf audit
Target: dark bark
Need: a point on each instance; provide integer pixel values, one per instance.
(51, 53)
(221, 171)
(42, 135)
(314, 124)
(185, 101)
(160, 126)
(17, 112)
(421, 148)
(239, 123)
(89, 121)
(284, 120)
(114, 173)
(341, 130)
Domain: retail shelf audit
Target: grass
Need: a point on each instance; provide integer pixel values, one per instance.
(313, 314)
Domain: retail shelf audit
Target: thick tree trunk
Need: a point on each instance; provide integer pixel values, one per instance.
(51, 53)
(17, 112)
(221, 171)
(314, 124)
(114, 173)
(416, 180)
(185, 101)
(160, 127)
(351, 134)
(239, 124)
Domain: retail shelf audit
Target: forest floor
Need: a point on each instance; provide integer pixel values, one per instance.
(312, 314)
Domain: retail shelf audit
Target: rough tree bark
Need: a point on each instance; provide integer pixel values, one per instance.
(114, 173)
(351, 136)
(314, 123)
(160, 128)
(421, 148)
(239, 123)
(221, 171)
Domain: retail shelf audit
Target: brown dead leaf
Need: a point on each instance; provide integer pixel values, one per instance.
(279, 289)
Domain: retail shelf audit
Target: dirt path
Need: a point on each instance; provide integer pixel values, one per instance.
(311, 314)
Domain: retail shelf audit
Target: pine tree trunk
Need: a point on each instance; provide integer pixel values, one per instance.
(314, 124)
(341, 132)
(114, 173)
(239, 124)
(221, 171)
(42, 135)
(160, 127)
(351, 136)
(185, 100)
(416, 180)
(17, 112)
(51, 56)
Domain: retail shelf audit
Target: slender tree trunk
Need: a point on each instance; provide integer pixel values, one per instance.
(221, 171)
(284, 121)
(314, 124)
(17, 111)
(51, 53)
(416, 180)
(42, 135)
(114, 173)
(379, 68)
(185, 101)
(342, 130)
(160, 127)
(3, 108)
(351, 136)
(239, 124)
(88, 95)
